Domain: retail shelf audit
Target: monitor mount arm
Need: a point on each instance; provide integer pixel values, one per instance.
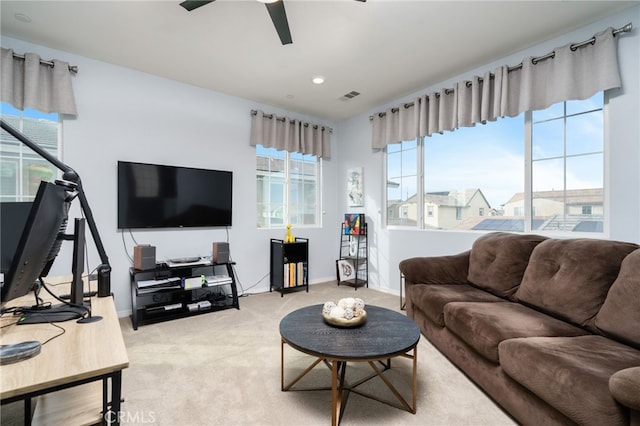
(70, 175)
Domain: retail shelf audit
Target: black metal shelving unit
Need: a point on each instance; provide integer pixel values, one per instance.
(354, 252)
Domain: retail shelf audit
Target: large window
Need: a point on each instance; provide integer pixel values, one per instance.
(474, 178)
(287, 188)
(21, 169)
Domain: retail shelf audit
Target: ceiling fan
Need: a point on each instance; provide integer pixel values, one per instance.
(274, 7)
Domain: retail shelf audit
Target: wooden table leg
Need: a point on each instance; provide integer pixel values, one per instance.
(335, 397)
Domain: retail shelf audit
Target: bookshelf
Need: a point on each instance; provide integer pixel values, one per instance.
(289, 265)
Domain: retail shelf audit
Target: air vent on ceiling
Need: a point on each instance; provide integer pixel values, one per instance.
(352, 94)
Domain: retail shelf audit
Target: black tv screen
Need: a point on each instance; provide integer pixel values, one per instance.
(160, 196)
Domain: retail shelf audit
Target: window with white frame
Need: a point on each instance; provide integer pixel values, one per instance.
(402, 183)
(567, 166)
(21, 169)
(474, 177)
(288, 188)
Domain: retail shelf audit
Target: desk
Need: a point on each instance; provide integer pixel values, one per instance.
(84, 353)
(386, 334)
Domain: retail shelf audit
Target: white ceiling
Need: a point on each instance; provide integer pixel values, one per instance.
(383, 49)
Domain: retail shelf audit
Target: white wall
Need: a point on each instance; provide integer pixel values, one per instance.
(128, 115)
(390, 246)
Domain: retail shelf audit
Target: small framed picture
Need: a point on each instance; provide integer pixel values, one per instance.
(345, 270)
(355, 187)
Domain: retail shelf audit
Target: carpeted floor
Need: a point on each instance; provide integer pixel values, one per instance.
(223, 368)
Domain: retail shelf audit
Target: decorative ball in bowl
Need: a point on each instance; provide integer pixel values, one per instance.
(347, 312)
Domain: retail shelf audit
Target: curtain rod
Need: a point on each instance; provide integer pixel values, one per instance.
(72, 68)
(283, 119)
(627, 28)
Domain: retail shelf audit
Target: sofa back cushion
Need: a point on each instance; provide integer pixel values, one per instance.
(569, 279)
(498, 260)
(619, 316)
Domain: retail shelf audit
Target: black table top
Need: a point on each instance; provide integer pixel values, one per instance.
(386, 333)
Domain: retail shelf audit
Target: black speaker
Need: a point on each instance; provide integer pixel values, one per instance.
(144, 257)
(220, 253)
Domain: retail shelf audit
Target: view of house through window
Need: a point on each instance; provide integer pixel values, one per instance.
(474, 177)
(402, 183)
(287, 188)
(21, 169)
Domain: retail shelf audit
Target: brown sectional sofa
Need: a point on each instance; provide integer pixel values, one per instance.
(548, 328)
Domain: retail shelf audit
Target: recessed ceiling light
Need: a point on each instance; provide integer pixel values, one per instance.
(318, 79)
(22, 17)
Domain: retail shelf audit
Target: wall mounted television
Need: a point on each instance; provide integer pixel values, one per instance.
(163, 196)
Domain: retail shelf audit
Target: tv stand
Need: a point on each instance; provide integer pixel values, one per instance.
(171, 292)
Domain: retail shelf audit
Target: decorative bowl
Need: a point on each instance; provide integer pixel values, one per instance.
(345, 323)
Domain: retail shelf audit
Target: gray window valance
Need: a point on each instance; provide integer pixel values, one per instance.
(29, 83)
(290, 135)
(570, 72)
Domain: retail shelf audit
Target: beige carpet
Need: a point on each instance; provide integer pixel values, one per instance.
(223, 368)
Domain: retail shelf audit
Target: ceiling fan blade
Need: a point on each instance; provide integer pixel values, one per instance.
(279, 18)
(193, 4)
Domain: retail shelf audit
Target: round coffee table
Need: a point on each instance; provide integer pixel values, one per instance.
(386, 334)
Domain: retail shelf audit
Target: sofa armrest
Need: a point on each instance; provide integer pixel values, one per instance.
(624, 385)
(436, 269)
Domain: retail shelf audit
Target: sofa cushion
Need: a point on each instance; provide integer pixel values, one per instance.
(432, 298)
(498, 261)
(571, 373)
(483, 326)
(570, 278)
(619, 316)
(624, 385)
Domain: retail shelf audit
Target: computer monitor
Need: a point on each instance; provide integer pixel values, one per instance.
(37, 249)
(13, 217)
(39, 243)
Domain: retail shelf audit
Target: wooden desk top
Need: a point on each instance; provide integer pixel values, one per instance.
(82, 352)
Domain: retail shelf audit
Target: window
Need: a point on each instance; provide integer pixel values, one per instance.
(287, 188)
(474, 178)
(402, 206)
(567, 155)
(471, 172)
(21, 169)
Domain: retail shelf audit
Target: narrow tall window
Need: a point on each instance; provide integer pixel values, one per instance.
(402, 183)
(287, 188)
(21, 169)
(567, 175)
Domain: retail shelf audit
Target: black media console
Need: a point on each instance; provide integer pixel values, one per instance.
(177, 291)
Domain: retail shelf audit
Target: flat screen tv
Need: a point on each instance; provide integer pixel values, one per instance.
(161, 196)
